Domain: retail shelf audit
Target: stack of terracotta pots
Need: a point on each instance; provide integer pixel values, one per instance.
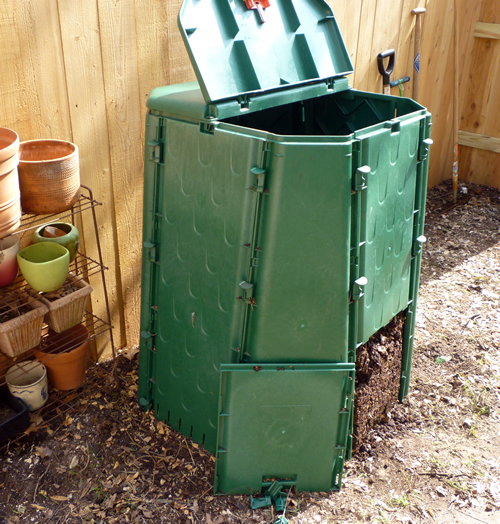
(41, 177)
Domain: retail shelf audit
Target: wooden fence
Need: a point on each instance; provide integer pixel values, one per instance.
(81, 70)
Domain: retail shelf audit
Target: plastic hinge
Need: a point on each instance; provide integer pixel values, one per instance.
(207, 128)
(263, 502)
(274, 490)
(358, 288)
(424, 149)
(337, 84)
(360, 177)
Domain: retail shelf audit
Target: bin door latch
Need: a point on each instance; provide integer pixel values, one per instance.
(155, 150)
(152, 250)
(417, 245)
(260, 175)
(358, 288)
(247, 297)
(424, 149)
(360, 177)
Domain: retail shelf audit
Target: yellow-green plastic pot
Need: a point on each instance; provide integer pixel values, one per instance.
(70, 240)
(44, 265)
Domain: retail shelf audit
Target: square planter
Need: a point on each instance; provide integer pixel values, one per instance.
(66, 306)
(24, 331)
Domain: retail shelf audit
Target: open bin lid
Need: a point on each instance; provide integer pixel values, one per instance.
(234, 53)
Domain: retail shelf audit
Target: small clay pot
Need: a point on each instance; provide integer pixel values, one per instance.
(49, 176)
(65, 356)
(70, 240)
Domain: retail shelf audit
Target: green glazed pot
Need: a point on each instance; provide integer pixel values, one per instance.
(44, 265)
(70, 240)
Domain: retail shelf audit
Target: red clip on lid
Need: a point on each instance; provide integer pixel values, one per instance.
(260, 5)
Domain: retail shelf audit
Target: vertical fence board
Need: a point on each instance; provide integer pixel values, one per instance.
(153, 44)
(14, 110)
(385, 36)
(180, 69)
(32, 83)
(125, 124)
(43, 66)
(87, 109)
(364, 54)
(481, 99)
(436, 85)
(348, 18)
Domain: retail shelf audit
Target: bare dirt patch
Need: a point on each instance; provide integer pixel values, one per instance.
(434, 458)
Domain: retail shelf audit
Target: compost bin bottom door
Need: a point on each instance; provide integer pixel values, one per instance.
(283, 422)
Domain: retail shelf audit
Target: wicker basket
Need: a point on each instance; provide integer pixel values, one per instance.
(23, 332)
(67, 311)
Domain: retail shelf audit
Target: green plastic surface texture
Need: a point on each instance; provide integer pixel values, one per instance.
(418, 231)
(202, 216)
(234, 53)
(255, 229)
(387, 224)
(286, 423)
(300, 270)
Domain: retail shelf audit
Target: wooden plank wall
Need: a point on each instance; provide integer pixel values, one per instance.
(82, 71)
(479, 128)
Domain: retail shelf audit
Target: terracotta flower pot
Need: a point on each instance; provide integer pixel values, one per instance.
(10, 203)
(65, 356)
(49, 176)
(9, 247)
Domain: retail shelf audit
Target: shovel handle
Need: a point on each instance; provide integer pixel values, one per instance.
(386, 72)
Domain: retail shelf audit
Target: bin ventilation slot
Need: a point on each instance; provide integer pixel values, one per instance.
(289, 16)
(304, 61)
(244, 73)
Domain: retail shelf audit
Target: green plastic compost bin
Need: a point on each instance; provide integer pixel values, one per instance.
(283, 218)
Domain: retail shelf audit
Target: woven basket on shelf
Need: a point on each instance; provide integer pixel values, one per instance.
(67, 311)
(23, 332)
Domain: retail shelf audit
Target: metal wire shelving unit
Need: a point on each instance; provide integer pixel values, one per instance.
(20, 294)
